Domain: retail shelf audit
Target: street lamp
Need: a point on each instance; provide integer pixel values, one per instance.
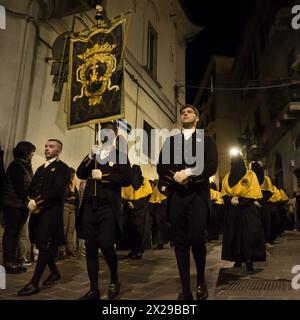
(234, 151)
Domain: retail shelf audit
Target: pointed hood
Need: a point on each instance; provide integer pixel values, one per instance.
(237, 171)
(259, 171)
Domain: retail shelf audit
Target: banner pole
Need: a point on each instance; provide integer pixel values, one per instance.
(99, 19)
(96, 141)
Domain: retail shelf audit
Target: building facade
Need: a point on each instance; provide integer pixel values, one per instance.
(262, 117)
(154, 62)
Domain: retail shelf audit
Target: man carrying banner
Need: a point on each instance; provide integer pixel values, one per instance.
(99, 221)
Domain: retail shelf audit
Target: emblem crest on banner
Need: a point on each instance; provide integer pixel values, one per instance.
(95, 85)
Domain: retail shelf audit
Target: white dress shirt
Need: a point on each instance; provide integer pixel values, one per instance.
(46, 164)
(187, 133)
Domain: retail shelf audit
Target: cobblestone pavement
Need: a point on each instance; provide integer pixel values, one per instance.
(155, 277)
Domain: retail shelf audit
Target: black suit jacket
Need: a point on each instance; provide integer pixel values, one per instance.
(199, 183)
(114, 176)
(48, 188)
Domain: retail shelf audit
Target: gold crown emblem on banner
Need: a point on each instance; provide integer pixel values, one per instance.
(97, 48)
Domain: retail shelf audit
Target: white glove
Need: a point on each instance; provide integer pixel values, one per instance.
(181, 177)
(257, 204)
(130, 204)
(235, 201)
(31, 205)
(96, 174)
(95, 149)
(37, 211)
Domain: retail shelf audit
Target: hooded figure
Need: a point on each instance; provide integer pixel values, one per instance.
(265, 210)
(136, 213)
(243, 236)
(259, 171)
(137, 178)
(237, 170)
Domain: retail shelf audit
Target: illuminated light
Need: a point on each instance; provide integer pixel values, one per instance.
(234, 152)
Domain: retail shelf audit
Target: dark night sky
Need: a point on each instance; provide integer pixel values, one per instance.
(224, 22)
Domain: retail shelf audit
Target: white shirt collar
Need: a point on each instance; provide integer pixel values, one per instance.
(187, 133)
(49, 161)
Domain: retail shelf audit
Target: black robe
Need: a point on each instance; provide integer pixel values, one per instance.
(243, 235)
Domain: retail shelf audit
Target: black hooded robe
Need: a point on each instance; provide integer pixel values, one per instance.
(243, 235)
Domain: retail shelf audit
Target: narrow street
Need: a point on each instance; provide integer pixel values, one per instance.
(155, 276)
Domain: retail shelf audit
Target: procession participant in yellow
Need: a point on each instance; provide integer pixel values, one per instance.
(271, 204)
(265, 208)
(282, 211)
(217, 205)
(136, 208)
(158, 213)
(243, 236)
(212, 226)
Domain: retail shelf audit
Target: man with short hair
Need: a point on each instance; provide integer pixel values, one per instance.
(46, 197)
(188, 196)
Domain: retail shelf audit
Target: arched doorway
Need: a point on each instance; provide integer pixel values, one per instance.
(278, 171)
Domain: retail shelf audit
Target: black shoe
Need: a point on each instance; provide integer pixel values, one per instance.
(249, 266)
(12, 268)
(24, 262)
(202, 293)
(91, 295)
(21, 268)
(28, 290)
(237, 265)
(61, 255)
(130, 254)
(113, 290)
(185, 296)
(71, 253)
(51, 279)
(136, 256)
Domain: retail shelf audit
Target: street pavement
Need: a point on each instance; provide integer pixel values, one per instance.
(155, 277)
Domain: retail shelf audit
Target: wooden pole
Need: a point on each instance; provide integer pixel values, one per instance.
(96, 141)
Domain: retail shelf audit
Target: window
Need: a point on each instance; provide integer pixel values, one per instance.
(278, 171)
(264, 31)
(257, 118)
(253, 66)
(213, 111)
(290, 60)
(147, 140)
(152, 51)
(297, 174)
(297, 143)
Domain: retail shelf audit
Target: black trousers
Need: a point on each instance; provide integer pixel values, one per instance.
(14, 220)
(188, 217)
(159, 224)
(99, 226)
(136, 228)
(46, 258)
